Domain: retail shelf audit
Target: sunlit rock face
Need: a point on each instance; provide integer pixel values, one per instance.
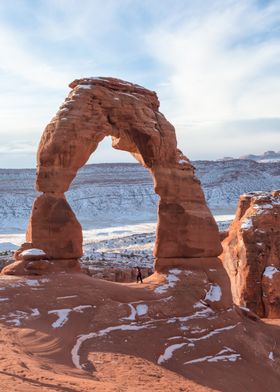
(100, 107)
(251, 253)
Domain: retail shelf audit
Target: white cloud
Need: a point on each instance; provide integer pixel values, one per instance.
(215, 66)
(220, 63)
(18, 60)
(18, 148)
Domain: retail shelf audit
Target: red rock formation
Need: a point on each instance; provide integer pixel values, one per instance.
(96, 108)
(251, 253)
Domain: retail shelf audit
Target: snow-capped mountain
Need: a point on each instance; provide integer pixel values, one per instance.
(114, 194)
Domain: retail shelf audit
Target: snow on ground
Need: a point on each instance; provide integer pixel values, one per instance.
(269, 271)
(271, 356)
(63, 314)
(171, 279)
(123, 193)
(168, 353)
(214, 294)
(122, 246)
(82, 338)
(15, 318)
(142, 309)
(33, 252)
(116, 206)
(139, 310)
(226, 354)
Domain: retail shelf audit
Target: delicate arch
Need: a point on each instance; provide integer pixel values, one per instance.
(99, 107)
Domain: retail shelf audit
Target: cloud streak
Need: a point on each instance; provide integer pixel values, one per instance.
(221, 65)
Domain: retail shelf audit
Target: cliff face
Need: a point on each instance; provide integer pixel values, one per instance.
(251, 253)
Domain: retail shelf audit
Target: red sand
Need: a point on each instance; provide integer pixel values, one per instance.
(144, 348)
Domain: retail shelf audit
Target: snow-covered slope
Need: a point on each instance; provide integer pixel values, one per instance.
(116, 194)
(224, 181)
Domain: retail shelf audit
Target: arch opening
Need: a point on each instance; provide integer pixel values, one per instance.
(116, 206)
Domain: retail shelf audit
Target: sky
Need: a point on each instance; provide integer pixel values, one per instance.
(215, 65)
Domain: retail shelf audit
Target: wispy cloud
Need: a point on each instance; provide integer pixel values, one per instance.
(18, 148)
(222, 64)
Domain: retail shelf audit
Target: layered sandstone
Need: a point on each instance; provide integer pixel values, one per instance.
(251, 253)
(100, 107)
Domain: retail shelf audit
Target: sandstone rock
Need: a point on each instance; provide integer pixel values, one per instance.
(251, 253)
(16, 268)
(54, 228)
(41, 265)
(96, 108)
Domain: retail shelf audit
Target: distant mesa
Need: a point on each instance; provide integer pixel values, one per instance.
(7, 246)
(265, 157)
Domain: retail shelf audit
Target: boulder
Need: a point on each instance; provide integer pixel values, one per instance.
(251, 253)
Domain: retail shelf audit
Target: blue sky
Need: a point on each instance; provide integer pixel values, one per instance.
(214, 64)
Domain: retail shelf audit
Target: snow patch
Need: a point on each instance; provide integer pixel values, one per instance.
(32, 282)
(80, 308)
(271, 356)
(213, 333)
(224, 355)
(168, 353)
(246, 224)
(15, 317)
(270, 271)
(129, 95)
(62, 317)
(171, 281)
(85, 86)
(82, 338)
(214, 294)
(244, 308)
(67, 296)
(132, 313)
(33, 252)
(199, 305)
(142, 309)
(63, 314)
(35, 312)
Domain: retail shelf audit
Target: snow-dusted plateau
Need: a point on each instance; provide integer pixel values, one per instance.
(116, 204)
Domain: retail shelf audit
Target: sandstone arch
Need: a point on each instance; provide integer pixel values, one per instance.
(99, 107)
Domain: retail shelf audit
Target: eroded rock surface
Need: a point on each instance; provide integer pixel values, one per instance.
(251, 253)
(100, 107)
